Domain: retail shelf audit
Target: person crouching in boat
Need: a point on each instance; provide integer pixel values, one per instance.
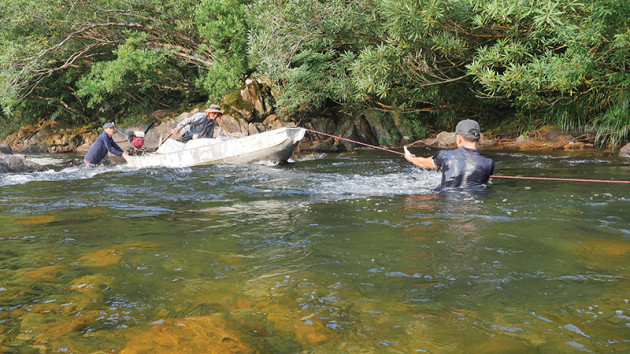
(201, 124)
(463, 167)
(102, 145)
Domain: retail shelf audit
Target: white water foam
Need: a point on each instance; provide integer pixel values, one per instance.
(46, 160)
(70, 173)
(403, 183)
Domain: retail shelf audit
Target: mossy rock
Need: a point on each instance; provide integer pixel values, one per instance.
(234, 102)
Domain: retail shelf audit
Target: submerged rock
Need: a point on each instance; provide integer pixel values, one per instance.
(206, 334)
(5, 149)
(10, 163)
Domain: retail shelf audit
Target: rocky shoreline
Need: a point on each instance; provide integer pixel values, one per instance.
(13, 159)
(247, 115)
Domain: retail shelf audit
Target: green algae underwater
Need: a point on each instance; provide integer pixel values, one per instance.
(352, 252)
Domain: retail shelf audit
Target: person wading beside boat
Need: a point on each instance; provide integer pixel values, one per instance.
(463, 167)
(201, 124)
(102, 145)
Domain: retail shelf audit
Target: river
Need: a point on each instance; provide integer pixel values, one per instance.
(348, 252)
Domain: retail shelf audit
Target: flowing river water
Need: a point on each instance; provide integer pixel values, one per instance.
(349, 252)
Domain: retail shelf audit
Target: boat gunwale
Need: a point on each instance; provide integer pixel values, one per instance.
(291, 137)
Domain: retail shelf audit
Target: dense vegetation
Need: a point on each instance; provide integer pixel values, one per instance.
(420, 62)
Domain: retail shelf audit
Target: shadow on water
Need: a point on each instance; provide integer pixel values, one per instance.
(349, 252)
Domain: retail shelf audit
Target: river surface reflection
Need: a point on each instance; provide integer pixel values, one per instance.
(332, 253)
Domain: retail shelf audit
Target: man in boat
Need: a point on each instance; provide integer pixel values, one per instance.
(463, 167)
(201, 124)
(102, 145)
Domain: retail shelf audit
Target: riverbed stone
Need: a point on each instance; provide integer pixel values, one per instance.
(364, 131)
(445, 139)
(382, 128)
(252, 129)
(17, 163)
(4, 168)
(100, 258)
(424, 142)
(230, 126)
(625, 151)
(6, 149)
(157, 134)
(38, 274)
(32, 220)
(554, 134)
(206, 334)
(577, 145)
(34, 148)
(485, 142)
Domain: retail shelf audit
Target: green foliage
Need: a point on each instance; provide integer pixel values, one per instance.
(88, 61)
(374, 71)
(422, 63)
(409, 23)
(414, 128)
(614, 122)
(137, 73)
(565, 60)
(369, 55)
(224, 26)
(432, 61)
(311, 56)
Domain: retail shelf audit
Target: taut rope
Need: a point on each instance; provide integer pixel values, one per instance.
(492, 176)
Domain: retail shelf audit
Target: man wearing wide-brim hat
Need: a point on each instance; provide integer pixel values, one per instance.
(201, 125)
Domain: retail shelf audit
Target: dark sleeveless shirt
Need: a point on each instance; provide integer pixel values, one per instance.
(463, 168)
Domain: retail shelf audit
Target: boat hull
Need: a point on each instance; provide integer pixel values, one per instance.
(275, 146)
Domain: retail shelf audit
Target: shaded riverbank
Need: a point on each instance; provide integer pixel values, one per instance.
(247, 113)
(51, 139)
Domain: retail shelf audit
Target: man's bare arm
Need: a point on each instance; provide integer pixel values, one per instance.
(424, 162)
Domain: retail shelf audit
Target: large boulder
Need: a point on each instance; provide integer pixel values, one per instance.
(359, 130)
(448, 140)
(5, 149)
(10, 163)
(445, 139)
(382, 128)
(47, 137)
(625, 151)
(233, 127)
(35, 147)
(255, 96)
(549, 137)
(322, 125)
(253, 103)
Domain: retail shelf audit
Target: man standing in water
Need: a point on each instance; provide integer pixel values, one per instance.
(201, 124)
(102, 145)
(463, 167)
